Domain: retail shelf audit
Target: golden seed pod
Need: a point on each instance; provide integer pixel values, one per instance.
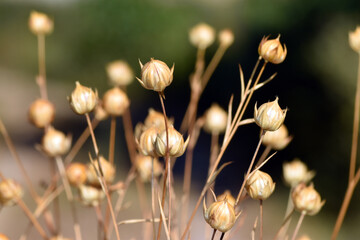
(155, 118)
(99, 113)
(155, 75)
(83, 99)
(215, 119)
(269, 116)
(91, 196)
(119, 73)
(277, 139)
(115, 101)
(40, 23)
(177, 146)
(226, 37)
(296, 172)
(108, 170)
(55, 143)
(220, 215)
(59, 238)
(307, 199)
(304, 237)
(202, 35)
(227, 194)
(354, 39)
(76, 173)
(143, 167)
(147, 141)
(10, 192)
(260, 185)
(3, 237)
(272, 50)
(41, 113)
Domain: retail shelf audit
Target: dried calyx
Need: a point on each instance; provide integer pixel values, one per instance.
(83, 99)
(272, 50)
(259, 185)
(269, 116)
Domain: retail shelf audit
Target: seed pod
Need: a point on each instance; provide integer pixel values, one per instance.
(307, 199)
(202, 35)
(260, 185)
(119, 73)
(115, 101)
(83, 99)
(143, 167)
(226, 37)
(156, 119)
(40, 23)
(304, 237)
(155, 75)
(296, 172)
(41, 113)
(272, 51)
(220, 215)
(215, 119)
(3, 237)
(55, 143)
(147, 141)
(227, 194)
(100, 114)
(10, 192)
(277, 139)
(91, 196)
(269, 116)
(107, 168)
(76, 173)
(177, 146)
(59, 238)
(354, 39)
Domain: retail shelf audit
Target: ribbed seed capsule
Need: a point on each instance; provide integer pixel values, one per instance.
(3, 237)
(226, 37)
(41, 113)
(202, 35)
(107, 168)
(307, 199)
(354, 39)
(55, 143)
(100, 114)
(91, 196)
(143, 167)
(115, 101)
(296, 172)
(76, 173)
(40, 23)
(227, 194)
(156, 119)
(83, 99)
(277, 139)
(147, 141)
(215, 119)
(269, 116)
(260, 185)
(272, 50)
(155, 75)
(10, 192)
(119, 73)
(177, 146)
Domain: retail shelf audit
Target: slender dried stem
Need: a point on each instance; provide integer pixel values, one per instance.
(298, 225)
(222, 236)
(213, 234)
(41, 80)
(56, 202)
(261, 220)
(263, 155)
(112, 139)
(100, 221)
(284, 225)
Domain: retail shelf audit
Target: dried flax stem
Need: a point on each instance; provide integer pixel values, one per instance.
(303, 213)
(112, 139)
(41, 80)
(105, 188)
(261, 220)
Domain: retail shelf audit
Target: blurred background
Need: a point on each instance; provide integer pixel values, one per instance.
(316, 83)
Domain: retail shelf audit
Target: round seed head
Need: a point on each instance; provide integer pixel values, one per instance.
(226, 37)
(177, 146)
(215, 119)
(354, 39)
(272, 50)
(277, 139)
(260, 185)
(202, 35)
(55, 143)
(10, 192)
(108, 170)
(227, 194)
(147, 141)
(41, 113)
(307, 199)
(296, 172)
(269, 116)
(115, 101)
(83, 99)
(119, 73)
(40, 23)
(99, 113)
(76, 173)
(143, 166)
(91, 196)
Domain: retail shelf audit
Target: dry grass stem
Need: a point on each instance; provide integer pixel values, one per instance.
(41, 79)
(112, 139)
(163, 219)
(301, 219)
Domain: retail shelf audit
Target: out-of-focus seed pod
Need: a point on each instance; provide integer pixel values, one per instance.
(3, 237)
(272, 50)
(304, 237)
(215, 119)
(202, 35)
(40, 23)
(147, 141)
(296, 172)
(10, 192)
(354, 39)
(91, 196)
(220, 215)
(107, 168)
(155, 118)
(100, 114)
(260, 185)
(155, 75)
(83, 99)
(307, 199)
(115, 101)
(119, 73)
(269, 116)
(76, 173)
(41, 113)
(59, 238)
(226, 37)
(177, 146)
(55, 143)
(277, 139)
(143, 166)
(227, 194)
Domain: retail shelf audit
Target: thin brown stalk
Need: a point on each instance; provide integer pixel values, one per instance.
(222, 236)
(301, 219)
(102, 176)
(163, 219)
(261, 220)
(213, 234)
(167, 176)
(284, 225)
(56, 202)
(112, 139)
(41, 81)
(100, 221)
(263, 155)
(153, 198)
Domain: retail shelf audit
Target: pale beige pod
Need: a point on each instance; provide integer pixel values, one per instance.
(41, 113)
(277, 139)
(83, 99)
(177, 146)
(115, 101)
(55, 143)
(354, 39)
(144, 167)
(147, 141)
(269, 116)
(108, 170)
(40, 23)
(296, 172)
(227, 194)
(10, 192)
(226, 37)
(306, 199)
(272, 50)
(119, 73)
(91, 196)
(76, 173)
(202, 35)
(260, 185)
(215, 119)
